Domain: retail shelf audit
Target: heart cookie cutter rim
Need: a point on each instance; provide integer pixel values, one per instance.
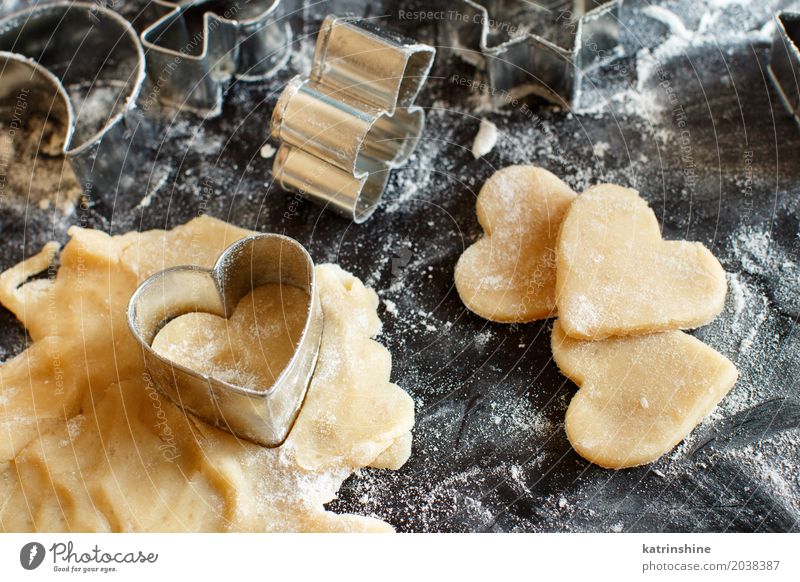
(28, 76)
(352, 120)
(266, 415)
(784, 60)
(532, 64)
(230, 48)
(105, 174)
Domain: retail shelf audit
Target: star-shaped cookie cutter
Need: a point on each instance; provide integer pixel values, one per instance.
(49, 48)
(784, 60)
(550, 56)
(353, 120)
(198, 46)
(262, 414)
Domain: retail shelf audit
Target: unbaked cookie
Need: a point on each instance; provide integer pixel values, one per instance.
(616, 276)
(509, 274)
(639, 396)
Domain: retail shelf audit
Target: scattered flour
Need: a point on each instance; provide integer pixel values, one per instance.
(709, 29)
(752, 247)
(483, 338)
(205, 144)
(157, 181)
(267, 151)
(391, 306)
(600, 149)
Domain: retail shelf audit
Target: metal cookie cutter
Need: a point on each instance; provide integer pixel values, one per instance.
(265, 415)
(543, 48)
(344, 128)
(198, 46)
(79, 52)
(784, 61)
(26, 86)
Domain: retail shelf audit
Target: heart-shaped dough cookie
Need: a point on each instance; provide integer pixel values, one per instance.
(509, 274)
(616, 276)
(639, 396)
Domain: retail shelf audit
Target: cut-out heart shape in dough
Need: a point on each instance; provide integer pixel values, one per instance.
(252, 348)
(509, 274)
(639, 396)
(263, 414)
(243, 350)
(616, 276)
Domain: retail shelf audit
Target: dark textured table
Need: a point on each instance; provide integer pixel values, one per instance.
(490, 453)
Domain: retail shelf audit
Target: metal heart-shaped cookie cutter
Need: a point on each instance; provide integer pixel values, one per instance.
(784, 60)
(67, 45)
(198, 46)
(266, 415)
(353, 120)
(25, 81)
(553, 46)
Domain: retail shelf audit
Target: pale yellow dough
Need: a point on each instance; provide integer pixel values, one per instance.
(86, 444)
(251, 348)
(616, 276)
(509, 274)
(639, 396)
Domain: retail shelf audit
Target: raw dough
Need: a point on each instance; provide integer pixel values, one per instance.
(616, 276)
(485, 139)
(639, 396)
(509, 274)
(87, 444)
(251, 349)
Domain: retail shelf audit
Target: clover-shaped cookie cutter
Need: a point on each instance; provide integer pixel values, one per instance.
(344, 128)
(551, 56)
(784, 60)
(265, 415)
(67, 44)
(197, 46)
